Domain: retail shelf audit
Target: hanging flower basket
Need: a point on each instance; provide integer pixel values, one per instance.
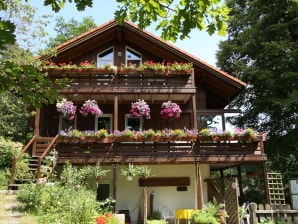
(90, 106)
(170, 110)
(66, 108)
(139, 109)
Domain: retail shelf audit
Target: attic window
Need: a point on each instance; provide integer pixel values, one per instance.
(105, 57)
(133, 57)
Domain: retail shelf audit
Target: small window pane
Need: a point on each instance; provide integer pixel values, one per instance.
(212, 122)
(133, 123)
(133, 57)
(106, 57)
(103, 192)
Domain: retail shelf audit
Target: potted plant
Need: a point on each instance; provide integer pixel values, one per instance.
(148, 135)
(205, 135)
(90, 106)
(179, 67)
(247, 135)
(170, 110)
(130, 172)
(139, 109)
(213, 213)
(191, 134)
(66, 108)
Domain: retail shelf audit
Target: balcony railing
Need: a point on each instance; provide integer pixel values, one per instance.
(124, 79)
(161, 151)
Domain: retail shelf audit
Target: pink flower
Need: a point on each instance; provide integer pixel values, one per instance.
(90, 106)
(170, 110)
(139, 109)
(66, 108)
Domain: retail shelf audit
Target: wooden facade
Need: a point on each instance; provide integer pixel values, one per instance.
(204, 91)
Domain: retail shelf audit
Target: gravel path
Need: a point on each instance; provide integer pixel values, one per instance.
(8, 205)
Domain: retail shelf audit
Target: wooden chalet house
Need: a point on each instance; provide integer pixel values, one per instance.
(181, 168)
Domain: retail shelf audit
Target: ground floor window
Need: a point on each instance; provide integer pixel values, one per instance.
(65, 124)
(105, 121)
(103, 192)
(133, 123)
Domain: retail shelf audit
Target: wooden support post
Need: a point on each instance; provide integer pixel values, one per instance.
(199, 188)
(252, 213)
(116, 108)
(114, 183)
(194, 112)
(240, 184)
(36, 122)
(145, 205)
(266, 189)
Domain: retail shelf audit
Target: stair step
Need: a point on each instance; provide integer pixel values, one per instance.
(13, 186)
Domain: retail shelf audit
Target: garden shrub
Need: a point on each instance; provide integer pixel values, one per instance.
(4, 178)
(8, 150)
(64, 201)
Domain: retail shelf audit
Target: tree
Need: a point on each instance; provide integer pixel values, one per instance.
(175, 18)
(20, 72)
(262, 50)
(72, 28)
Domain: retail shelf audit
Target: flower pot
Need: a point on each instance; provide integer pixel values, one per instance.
(123, 139)
(205, 138)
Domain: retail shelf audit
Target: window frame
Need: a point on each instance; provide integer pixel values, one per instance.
(133, 51)
(98, 59)
(60, 122)
(127, 116)
(104, 115)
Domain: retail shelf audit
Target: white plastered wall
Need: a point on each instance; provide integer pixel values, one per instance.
(130, 195)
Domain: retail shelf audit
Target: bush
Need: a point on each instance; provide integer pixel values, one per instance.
(8, 150)
(4, 178)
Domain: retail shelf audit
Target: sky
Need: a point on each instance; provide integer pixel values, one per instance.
(200, 43)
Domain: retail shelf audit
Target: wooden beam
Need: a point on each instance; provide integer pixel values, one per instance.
(36, 122)
(194, 112)
(164, 181)
(116, 112)
(199, 188)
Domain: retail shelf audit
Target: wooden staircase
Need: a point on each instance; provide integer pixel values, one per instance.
(38, 148)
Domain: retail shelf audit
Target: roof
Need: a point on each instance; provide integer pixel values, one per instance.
(189, 57)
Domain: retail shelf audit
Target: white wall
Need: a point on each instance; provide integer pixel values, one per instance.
(130, 195)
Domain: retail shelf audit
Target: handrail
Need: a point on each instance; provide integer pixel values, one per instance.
(43, 155)
(15, 159)
(26, 147)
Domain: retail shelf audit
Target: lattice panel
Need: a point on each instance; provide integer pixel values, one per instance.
(276, 189)
(225, 191)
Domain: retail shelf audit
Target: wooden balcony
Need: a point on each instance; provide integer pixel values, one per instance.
(82, 152)
(93, 81)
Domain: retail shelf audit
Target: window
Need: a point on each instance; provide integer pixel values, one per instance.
(105, 121)
(105, 57)
(133, 57)
(133, 123)
(65, 124)
(103, 192)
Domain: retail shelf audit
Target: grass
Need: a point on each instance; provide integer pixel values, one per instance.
(10, 211)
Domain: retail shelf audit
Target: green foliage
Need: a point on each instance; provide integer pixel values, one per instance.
(209, 214)
(72, 175)
(156, 215)
(65, 201)
(59, 204)
(70, 29)
(261, 49)
(4, 178)
(132, 171)
(8, 150)
(14, 116)
(176, 19)
(156, 221)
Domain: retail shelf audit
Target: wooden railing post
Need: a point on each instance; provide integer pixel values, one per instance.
(13, 171)
(252, 213)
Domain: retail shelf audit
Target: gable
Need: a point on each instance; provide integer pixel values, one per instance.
(221, 88)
